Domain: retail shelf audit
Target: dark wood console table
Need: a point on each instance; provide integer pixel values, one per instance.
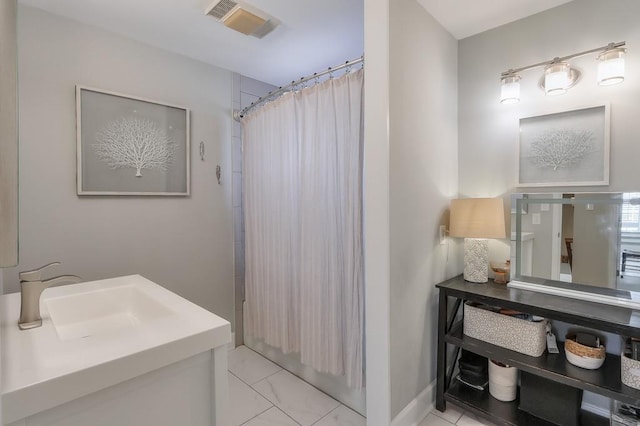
(604, 381)
(630, 261)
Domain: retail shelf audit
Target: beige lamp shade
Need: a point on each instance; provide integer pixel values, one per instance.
(477, 218)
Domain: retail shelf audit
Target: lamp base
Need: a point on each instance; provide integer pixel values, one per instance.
(476, 260)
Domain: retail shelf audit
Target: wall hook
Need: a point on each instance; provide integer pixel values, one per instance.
(202, 151)
(219, 174)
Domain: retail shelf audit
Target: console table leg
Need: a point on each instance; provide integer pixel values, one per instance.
(441, 404)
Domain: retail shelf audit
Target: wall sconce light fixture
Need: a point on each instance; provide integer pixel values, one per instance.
(510, 90)
(559, 75)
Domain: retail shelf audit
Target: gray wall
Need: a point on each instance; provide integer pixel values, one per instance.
(376, 212)
(423, 179)
(488, 130)
(184, 244)
(8, 134)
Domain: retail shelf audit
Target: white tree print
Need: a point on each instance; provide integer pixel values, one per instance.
(559, 148)
(135, 142)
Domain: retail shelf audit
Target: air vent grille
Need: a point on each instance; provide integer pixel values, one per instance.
(242, 17)
(222, 8)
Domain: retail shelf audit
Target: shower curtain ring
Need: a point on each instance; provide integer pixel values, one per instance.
(330, 73)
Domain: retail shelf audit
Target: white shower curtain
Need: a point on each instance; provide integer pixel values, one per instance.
(302, 174)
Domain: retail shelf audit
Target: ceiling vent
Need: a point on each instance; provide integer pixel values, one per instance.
(242, 17)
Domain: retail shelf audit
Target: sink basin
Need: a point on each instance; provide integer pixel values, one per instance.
(103, 311)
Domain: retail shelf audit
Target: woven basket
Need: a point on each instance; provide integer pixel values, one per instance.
(576, 348)
(527, 337)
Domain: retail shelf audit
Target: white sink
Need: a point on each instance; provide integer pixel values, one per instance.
(103, 311)
(95, 335)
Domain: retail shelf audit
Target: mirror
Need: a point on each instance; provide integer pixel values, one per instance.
(8, 134)
(578, 243)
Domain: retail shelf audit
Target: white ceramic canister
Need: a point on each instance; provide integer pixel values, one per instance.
(503, 382)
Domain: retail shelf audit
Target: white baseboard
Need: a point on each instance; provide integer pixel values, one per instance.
(596, 409)
(417, 409)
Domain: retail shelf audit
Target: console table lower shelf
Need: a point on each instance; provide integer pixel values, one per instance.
(555, 368)
(482, 404)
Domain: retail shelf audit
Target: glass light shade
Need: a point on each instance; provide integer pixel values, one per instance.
(510, 90)
(611, 67)
(557, 78)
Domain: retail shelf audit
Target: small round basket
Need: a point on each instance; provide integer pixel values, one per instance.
(584, 356)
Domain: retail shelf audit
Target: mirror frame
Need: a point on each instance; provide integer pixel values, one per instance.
(621, 298)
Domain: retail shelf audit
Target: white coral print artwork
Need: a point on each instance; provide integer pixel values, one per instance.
(135, 142)
(560, 148)
(565, 148)
(130, 146)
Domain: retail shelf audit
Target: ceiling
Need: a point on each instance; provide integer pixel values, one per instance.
(464, 18)
(314, 35)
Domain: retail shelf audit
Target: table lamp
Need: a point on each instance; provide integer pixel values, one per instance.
(476, 220)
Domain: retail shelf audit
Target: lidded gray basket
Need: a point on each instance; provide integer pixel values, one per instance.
(527, 337)
(630, 371)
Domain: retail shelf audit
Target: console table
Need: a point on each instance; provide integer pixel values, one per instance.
(604, 381)
(630, 261)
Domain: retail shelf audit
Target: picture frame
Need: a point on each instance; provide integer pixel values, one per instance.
(565, 148)
(131, 146)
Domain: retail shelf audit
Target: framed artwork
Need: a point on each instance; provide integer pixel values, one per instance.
(569, 148)
(130, 146)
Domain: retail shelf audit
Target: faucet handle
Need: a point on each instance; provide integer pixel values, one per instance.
(36, 274)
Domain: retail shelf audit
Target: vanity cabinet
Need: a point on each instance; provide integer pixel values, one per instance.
(604, 381)
(178, 394)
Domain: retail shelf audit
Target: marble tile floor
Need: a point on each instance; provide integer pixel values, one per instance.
(453, 416)
(263, 394)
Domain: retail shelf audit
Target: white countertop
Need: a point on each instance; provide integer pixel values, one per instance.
(526, 236)
(41, 371)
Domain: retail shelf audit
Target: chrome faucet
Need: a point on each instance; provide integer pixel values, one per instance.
(31, 287)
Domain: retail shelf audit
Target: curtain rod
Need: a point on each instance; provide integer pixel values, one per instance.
(237, 115)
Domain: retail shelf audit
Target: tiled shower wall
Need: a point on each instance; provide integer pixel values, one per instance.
(244, 91)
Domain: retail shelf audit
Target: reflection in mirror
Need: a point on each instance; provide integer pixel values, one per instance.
(578, 242)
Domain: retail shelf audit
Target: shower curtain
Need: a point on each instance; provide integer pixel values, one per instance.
(302, 174)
